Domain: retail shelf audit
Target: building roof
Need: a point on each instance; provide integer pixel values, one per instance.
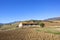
(29, 23)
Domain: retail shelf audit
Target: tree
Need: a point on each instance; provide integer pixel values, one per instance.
(42, 24)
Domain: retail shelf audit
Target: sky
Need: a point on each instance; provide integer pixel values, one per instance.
(19, 10)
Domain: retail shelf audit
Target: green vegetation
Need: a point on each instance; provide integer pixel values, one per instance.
(49, 30)
(42, 24)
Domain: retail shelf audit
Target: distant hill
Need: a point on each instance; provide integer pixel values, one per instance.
(55, 18)
(1, 24)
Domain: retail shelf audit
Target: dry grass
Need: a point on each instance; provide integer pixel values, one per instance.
(27, 34)
(53, 24)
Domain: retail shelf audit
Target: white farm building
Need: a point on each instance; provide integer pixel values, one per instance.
(28, 24)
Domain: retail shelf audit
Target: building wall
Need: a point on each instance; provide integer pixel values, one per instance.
(31, 25)
(21, 25)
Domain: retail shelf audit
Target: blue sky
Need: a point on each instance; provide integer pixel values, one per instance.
(17, 10)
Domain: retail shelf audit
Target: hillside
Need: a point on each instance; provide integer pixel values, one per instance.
(50, 22)
(9, 25)
(13, 25)
(27, 34)
(51, 31)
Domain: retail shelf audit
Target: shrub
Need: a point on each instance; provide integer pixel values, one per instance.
(42, 24)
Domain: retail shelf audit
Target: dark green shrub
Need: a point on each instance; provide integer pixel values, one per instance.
(42, 24)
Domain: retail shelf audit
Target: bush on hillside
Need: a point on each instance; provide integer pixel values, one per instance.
(42, 24)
